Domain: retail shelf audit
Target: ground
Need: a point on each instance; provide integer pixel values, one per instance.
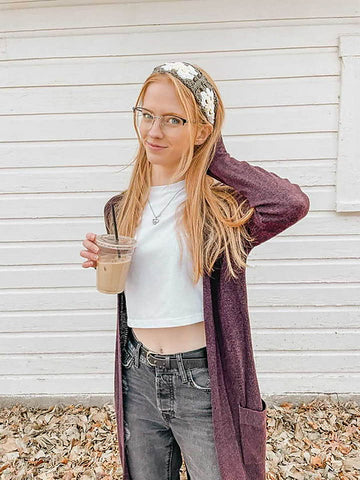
(311, 441)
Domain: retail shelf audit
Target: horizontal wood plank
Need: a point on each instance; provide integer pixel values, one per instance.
(259, 272)
(72, 180)
(225, 67)
(108, 126)
(281, 247)
(166, 39)
(39, 299)
(112, 98)
(91, 363)
(273, 383)
(297, 147)
(59, 321)
(269, 340)
(268, 317)
(69, 229)
(28, 14)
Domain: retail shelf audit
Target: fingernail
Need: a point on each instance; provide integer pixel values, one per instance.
(96, 257)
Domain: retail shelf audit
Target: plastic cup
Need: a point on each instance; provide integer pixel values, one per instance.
(113, 262)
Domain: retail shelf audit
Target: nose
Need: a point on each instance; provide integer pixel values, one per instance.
(155, 129)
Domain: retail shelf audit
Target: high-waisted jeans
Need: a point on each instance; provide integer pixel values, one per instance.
(167, 412)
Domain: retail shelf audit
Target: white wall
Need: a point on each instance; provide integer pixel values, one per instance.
(69, 76)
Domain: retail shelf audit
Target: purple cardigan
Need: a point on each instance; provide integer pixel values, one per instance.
(239, 412)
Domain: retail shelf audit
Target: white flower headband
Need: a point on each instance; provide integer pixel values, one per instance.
(196, 82)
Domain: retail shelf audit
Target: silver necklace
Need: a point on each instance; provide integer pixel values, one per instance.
(155, 220)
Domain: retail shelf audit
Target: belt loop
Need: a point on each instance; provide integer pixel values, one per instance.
(181, 368)
(137, 355)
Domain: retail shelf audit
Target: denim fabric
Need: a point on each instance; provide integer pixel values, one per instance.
(167, 412)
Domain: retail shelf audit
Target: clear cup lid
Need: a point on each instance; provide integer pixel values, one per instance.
(109, 241)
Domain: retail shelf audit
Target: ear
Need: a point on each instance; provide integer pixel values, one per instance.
(203, 133)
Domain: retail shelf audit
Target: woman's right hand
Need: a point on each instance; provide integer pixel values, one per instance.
(91, 251)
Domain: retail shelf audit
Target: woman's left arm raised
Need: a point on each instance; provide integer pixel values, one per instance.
(278, 203)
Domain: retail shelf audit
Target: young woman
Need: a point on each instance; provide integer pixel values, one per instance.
(187, 383)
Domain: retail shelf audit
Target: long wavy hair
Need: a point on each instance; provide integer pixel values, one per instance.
(213, 217)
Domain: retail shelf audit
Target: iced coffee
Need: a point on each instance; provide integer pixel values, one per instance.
(113, 262)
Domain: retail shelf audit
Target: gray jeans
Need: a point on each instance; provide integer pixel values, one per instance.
(167, 412)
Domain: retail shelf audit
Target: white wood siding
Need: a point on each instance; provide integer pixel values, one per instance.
(69, 75)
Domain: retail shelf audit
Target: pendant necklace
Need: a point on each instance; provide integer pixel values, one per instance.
(155, 220)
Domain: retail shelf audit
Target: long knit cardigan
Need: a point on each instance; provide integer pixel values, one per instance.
(238, 410)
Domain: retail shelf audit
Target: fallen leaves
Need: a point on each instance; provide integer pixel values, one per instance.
(319, 440)
(62, 442)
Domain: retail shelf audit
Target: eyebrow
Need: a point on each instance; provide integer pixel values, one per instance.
(169, 113)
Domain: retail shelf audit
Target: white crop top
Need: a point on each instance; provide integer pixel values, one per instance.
(159, 291)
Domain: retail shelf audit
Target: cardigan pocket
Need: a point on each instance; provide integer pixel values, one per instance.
(253, 434)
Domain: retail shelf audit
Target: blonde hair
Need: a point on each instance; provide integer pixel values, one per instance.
(214, 215)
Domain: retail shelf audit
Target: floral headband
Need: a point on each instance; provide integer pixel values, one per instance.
(192, 78)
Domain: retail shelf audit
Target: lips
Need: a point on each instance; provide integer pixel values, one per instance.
(154, 145)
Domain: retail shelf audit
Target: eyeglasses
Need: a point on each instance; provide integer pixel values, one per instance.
(167, 122)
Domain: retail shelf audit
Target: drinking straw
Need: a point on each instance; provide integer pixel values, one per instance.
(115, 228)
